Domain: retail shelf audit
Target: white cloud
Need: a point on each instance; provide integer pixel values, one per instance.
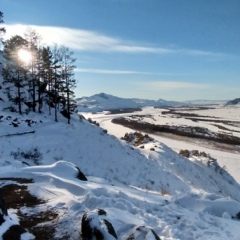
(109, 71)
(171, 85)
(84, 40)
(115, 71)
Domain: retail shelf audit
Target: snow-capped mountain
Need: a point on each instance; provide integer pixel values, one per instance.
(155, 103)
(103, 101)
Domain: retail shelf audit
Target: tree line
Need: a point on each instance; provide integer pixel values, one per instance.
(36, 77)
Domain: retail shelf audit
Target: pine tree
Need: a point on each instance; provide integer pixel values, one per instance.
(68, 81)
(45, 73)
(2, 29)
(56, 86)
(49, 75)
(33, 39)
(15, 73)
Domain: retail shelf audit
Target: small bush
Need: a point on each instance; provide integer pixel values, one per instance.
(137, 138)
(185, 153)
(164, 192)
(33, 154)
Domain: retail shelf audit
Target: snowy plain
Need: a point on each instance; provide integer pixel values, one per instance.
(180, 199)
(230, 159)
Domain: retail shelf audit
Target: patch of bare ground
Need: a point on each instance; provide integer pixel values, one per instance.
(124, 110)
(40, 223)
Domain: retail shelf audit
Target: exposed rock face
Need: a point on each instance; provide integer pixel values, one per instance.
(80, 175)
(96, 226)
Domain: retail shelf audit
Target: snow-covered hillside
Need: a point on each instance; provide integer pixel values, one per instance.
(145, 191)
(151, 186)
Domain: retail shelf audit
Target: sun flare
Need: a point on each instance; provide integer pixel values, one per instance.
(24, 55)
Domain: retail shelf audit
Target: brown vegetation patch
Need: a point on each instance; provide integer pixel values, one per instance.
(137, 138)
(18, 180)
(17, 196)
(40, 223)
(124, 110)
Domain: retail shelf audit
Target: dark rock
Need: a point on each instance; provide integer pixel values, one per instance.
(142, 233)
(96, 226)
(14, 124)
(14, 233)
(3, 206)
(80, 175)
(65, 113)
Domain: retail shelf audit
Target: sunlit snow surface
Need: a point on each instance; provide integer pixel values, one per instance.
(178, 198)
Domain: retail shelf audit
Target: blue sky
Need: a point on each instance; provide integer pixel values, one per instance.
(169, 49)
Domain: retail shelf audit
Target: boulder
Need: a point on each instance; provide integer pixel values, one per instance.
(142, 233)
(95, 225)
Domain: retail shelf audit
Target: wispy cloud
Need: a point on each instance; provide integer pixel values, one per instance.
(171, 85)
(108, 71)
(125, 72)
(84, 40)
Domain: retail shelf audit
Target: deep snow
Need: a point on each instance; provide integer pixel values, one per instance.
(179, 198)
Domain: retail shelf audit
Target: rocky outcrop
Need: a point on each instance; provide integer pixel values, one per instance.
(96, 226)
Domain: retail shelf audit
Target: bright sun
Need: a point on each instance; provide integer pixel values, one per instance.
(24, 56)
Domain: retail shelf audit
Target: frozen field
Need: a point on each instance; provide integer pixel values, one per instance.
(216, 119)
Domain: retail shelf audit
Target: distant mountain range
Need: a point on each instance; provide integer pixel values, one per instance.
(205, 102)
(102, 102)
